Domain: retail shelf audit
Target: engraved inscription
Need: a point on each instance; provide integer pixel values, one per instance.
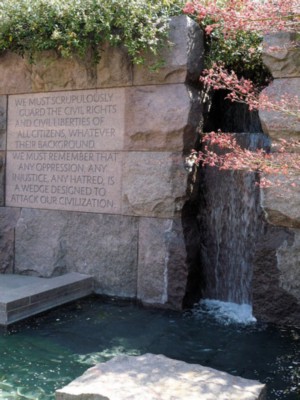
(64, 150)
(79, 181)
(78, 120)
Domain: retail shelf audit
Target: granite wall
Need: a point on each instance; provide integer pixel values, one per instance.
(276, 279)
(92, 167)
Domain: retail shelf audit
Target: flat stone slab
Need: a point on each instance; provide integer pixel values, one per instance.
(156, 377)
(24, 296)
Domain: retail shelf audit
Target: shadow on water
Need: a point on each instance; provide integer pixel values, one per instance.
(53, 349)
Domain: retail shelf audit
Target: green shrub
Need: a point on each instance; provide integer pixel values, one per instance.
(241, 53)
(76, 26)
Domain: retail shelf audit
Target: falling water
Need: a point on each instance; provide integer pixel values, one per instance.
(228, 214)
(229, 224)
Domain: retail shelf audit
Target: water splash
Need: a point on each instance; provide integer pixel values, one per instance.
(225, 312)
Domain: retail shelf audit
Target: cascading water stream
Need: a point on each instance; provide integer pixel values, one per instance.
(230, 222)
(229, 215)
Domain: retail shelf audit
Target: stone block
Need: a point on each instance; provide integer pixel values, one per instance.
(281, 201)
(156, 377)
(180, 60)
(3, 119)
(275, 283)
(15, 74)
(288, 258)
(24, 296)
(39, 246)
(50, 243)
(154, 184)
(51, 72)
(8, 220)
(114, 68)
(104, 246)
(281, 54)
(162, 270)
(157, 118)
(278, 124)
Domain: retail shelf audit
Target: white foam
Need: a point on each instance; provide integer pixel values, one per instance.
(226, 312)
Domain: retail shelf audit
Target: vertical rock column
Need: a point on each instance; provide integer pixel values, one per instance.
(169, 113)
(277, 270)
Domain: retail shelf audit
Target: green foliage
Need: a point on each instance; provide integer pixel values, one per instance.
(77, 26)
(241, 53)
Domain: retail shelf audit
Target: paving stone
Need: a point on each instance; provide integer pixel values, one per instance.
(24, 296)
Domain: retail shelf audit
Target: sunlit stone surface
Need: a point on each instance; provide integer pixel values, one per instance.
(156, 377)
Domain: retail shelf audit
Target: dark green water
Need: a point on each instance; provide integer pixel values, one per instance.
(38, 357)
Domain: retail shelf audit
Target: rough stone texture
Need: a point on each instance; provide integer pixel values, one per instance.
(288, 261)
(15, 74)
(39, 246)
(280, 125)
(3, 119)
(182, 59)
(158, 117)
(74, 73)
(276, 280)
(106, 246)
(281, 54)
(156, 377)
(50, 243)
(2, 178)
(114, 68)
(154, 185)
(281, 204)
(161, 273)
(273, 289)
(8, 221)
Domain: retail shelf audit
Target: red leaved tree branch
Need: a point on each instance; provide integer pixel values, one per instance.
(221, 149)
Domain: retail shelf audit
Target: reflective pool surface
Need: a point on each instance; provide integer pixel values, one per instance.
(51, 350)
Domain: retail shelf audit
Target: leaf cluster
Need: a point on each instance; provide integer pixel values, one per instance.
(241, 53)
(70, 27)
(238, 50)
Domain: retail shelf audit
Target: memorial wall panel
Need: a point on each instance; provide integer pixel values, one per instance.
(64, 150)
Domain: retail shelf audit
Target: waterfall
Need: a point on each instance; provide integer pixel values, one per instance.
(230, 220)
(228, 216)
(229, 225)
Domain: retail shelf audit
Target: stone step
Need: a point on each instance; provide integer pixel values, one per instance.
(24, 296)
(156, 377)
